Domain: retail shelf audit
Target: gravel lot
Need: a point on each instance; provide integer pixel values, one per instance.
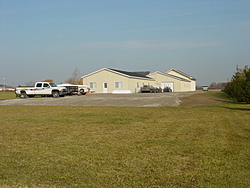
(136, 100)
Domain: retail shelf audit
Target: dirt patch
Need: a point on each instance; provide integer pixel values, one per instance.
(202, 100)
(135, 100)
(184, 99)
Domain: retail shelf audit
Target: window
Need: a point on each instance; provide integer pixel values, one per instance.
(53, 85)
(45, 85)
(39, 85)
(118, 84)
(105, 85)
(92, 85)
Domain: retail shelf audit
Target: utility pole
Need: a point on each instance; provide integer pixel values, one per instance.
(4, 87)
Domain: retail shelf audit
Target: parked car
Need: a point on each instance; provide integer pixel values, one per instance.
(158, 89)
(148, 89)
(167, 89)
(204, 88)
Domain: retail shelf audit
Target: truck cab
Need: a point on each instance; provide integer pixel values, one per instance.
(43, 88)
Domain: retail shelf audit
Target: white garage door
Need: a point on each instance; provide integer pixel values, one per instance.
(168, 84)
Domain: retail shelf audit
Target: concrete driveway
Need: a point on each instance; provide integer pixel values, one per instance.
(136, 100)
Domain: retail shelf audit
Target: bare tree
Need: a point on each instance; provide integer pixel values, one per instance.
(48, 80)
(75, 79)
(220, 85)
(30, 83)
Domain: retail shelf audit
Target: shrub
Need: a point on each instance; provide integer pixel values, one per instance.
(239, 86)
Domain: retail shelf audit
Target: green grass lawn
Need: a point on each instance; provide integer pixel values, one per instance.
(7, 95)
(55, 146)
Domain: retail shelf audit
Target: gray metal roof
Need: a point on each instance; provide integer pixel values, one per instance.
(140, 74)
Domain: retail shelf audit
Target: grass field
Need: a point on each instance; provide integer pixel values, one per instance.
(7, 95)
(55, 146)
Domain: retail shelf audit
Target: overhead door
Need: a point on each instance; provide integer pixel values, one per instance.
(168, 84)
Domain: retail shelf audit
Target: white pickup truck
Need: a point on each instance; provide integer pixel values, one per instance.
(41, 88)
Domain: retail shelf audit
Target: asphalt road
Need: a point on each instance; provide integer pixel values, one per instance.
(136, 100)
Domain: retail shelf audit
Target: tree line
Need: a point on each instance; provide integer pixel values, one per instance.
(220, 85)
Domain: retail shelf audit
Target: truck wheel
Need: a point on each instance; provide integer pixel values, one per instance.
(23, 95)
(55, 94)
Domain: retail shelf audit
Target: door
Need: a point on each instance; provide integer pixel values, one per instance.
(38, 88)
(105, 87)
(42, 89)
(168, 84)
(46, 90)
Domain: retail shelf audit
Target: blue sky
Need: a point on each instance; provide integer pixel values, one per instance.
(49, 39)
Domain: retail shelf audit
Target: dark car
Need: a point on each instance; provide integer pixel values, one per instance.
(148, 89)
(158, 89)
(167, 89)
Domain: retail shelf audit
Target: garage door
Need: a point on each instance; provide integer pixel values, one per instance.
(168, 84)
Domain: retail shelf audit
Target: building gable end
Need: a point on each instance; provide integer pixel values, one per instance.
(169, 75)
(180, 73)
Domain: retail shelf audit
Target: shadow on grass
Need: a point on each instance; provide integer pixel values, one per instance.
(225, 100)
(237, 108)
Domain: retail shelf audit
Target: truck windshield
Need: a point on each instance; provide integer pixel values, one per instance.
(53, 85)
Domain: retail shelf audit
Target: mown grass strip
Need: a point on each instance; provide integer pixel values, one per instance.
(52, 146)
(4, 95)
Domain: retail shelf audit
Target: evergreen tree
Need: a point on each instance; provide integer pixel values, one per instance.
(239, 86)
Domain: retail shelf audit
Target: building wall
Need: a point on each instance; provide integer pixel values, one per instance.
(192, 84)
(185, 86)
(105, 76)
(179, 85)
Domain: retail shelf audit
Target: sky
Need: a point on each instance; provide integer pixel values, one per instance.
(49, 39)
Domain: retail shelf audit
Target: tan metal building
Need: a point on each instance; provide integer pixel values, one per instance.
(183, 75)
(107, 80)
(174, 79)
(176, 84)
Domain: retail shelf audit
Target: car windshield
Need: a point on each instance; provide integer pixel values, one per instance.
(53, 85)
